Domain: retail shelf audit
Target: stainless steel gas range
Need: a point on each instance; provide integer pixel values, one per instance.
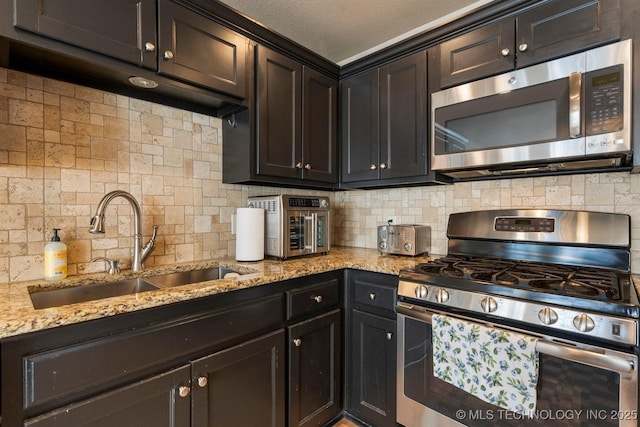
(559, 278)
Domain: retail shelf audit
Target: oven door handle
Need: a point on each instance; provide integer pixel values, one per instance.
(623, 367)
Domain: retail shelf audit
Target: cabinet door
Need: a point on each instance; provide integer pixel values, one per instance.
(243, 386)
(162, 400)
(483, 52)
(279, 130)
(372, 374)
(403, 113)
(360, 133)
(194, 48)
(559, 28)
(314, 370)
(117, 28)
(320, 127)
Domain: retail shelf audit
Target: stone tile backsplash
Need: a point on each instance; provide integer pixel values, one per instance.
(63, 146)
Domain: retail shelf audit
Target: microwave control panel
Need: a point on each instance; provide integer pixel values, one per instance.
(604, 104)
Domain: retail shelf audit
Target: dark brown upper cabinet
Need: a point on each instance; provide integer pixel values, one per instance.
(297, 119)
(197, 63)
(550, 30)
(198, 50)
(289, 136)
(384, 124)
(122, 29)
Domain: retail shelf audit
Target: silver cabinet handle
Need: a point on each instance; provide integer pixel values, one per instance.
(184, 391)
(372, 296)
(374, 167)
(168, 54)
(575, 87)
(297, 342)
(202, 382)
(318, 298)
(522, 47)
(505, 52)
(149, 47)
(383, 165)
(307, 166)
(299, 165)
(389, 336)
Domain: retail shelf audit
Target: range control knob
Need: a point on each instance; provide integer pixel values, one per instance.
(421, 291)
(548, 316)
(489, 305)
(442, 296)
(584, 323)
(407, 247)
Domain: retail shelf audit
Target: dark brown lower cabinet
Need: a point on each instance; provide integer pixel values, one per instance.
(243, 386)
(156, 401)
(372, 375)
(314, 370)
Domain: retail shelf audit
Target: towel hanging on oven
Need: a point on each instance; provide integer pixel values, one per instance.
(497, 366)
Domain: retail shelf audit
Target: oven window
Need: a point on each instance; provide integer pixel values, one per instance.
(564, 388)
(524, 116)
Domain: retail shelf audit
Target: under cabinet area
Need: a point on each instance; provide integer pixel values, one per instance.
(371, 357)
(550, 30)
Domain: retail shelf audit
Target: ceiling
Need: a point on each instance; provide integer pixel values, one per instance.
(343, 31)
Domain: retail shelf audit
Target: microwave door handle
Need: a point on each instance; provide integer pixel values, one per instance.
(575, 90)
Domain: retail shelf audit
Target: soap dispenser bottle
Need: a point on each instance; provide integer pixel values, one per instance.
(55, 258)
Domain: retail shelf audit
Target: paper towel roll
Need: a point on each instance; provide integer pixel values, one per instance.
(249, 234)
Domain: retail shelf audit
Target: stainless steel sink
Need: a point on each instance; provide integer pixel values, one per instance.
(193, 276)
(72, 295)
(76, 294)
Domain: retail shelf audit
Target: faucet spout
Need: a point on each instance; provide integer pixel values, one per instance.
(97, 226)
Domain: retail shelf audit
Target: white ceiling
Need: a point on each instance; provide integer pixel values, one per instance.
(345, 30)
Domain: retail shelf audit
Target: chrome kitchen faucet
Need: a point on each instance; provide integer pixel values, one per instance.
(139, 253)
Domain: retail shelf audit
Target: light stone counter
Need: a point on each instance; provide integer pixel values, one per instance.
(17, 315)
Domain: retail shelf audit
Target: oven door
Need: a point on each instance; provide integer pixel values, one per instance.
(578, 385)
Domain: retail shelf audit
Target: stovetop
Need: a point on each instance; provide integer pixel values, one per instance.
(592, 289)
(582, 282)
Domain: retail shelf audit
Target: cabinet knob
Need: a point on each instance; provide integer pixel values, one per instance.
(149, 47)
(318, 298)
(389, 336)
(383, 165)
(307, 166)
(168, 54)
(299, 165)
(505, 52)
(184, 391)
(202, 382)
(372, 296)
(297, 342)
(374, 167)
(522, 47)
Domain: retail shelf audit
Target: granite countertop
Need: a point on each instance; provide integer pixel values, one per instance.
(17, 315)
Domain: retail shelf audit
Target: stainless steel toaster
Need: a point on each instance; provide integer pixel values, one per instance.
(399, 239)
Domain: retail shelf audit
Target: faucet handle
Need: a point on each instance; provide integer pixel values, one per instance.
(114, 267)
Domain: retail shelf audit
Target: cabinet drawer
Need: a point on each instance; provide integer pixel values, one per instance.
(369, 295)
(313, 299)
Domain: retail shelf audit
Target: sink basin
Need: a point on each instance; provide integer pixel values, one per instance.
(193, 276)
(64, 296)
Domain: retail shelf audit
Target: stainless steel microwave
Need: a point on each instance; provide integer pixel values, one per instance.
(294, 225)
(568, 114)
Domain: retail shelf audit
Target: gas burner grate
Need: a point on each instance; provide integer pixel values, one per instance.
(574, 281)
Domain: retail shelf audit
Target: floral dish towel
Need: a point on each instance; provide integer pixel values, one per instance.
(495, 365)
